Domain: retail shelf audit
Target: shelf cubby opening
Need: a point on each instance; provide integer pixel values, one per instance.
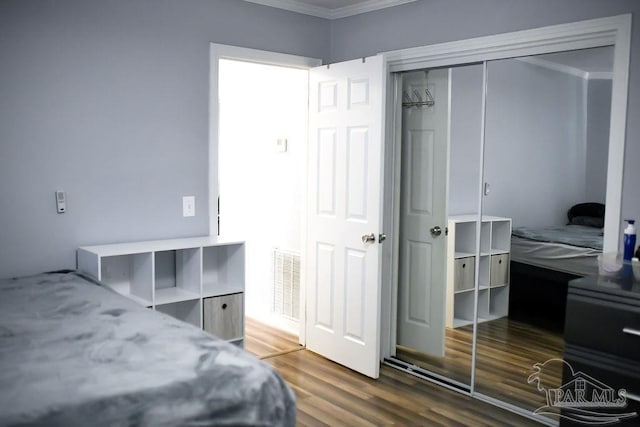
(499, 301)
(465, 243)
(130, 275)
(177, 275)
(485, 237)
(463, 309)
(223, 269)
(484, 273)
(500, 236)
(188, 311)
(483, 304)
(238, 343)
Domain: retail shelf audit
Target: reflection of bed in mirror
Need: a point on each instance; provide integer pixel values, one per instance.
(544, 259)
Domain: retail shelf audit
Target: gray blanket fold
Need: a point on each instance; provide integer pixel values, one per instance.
(75, 353)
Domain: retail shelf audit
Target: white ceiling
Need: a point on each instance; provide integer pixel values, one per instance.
(331, 9)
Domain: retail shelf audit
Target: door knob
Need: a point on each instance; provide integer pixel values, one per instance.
(368, 238)
(435, 231)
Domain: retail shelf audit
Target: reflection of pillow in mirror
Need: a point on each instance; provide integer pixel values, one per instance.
(589, 221)
(591, 209)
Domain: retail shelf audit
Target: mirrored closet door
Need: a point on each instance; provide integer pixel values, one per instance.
(545, 151)
(492, 151)
(441, 126)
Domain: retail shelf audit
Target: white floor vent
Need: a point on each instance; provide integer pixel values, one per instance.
(286, 283)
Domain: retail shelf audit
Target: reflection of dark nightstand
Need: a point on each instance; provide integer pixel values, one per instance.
(602, 335)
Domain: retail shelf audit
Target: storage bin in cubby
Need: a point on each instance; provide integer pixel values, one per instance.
(464, 270)
(223, 316)
(499, 270)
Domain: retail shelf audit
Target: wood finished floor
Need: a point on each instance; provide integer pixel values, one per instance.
(330, 394)
(507, 351)
(265, 341)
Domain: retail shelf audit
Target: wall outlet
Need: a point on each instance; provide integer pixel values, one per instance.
(189, 206)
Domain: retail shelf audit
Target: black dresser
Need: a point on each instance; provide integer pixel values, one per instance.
(602, 351)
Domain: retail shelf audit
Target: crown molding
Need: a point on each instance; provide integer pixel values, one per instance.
(577, 35)
(562, 68)
(600, 75)
(294, 6)
(367, 6)
(566, 69)
(326, 13)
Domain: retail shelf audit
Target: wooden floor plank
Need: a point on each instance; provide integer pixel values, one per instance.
(330, 394)
(325, 393)
(506, 353)
(265, 341)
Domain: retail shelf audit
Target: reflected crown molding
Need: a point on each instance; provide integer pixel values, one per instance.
(562, 68)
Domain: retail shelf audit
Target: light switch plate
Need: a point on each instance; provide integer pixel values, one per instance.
(189, 206)
(281, 143)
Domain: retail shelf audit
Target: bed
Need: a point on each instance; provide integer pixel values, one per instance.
(570, 249)
(545, 259)
(73, 352)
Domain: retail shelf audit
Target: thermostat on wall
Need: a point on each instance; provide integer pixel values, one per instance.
(281, 143)
(61, 201)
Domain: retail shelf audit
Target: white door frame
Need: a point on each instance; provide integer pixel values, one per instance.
(221, 51)
(615, 30)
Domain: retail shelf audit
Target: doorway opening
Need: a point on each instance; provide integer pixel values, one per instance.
(261, 158)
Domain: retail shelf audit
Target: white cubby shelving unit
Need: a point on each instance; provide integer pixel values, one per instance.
(199, 280)
(468, 270)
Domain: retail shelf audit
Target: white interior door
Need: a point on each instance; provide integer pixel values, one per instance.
(421, 282)
(346, 128)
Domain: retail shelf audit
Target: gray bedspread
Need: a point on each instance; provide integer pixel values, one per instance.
(73, 353)
(573, 235)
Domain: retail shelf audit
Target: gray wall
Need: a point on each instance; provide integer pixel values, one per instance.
(534, 143)
(598, 118)
(108, 100)
(535, 140)
(432, 21)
